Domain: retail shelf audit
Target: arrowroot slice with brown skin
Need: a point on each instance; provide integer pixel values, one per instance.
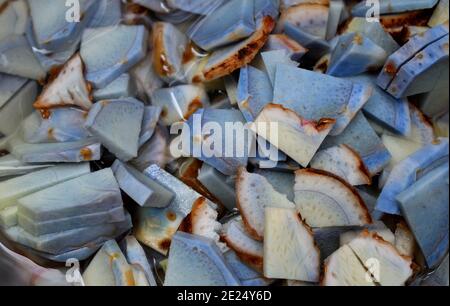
(69, 88)
(326, 200)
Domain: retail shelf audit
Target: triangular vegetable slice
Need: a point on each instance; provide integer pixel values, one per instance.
(247, 249)
(289, 248)
(325, 200)
(344, 162)
(68, 88)
(254, 194)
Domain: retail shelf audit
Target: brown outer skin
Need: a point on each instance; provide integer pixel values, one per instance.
(253, 260)
(414, 18)
(368, 217)
(54, 74)
(187, 224)
(361, 166)
(162, 67)
(250, 230)
(243, 56)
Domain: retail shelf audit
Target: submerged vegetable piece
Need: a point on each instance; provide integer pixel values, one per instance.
(271, 61)
(391, 113)
(253, 194)
(11, 166)
(146, 78)
(195, 7)
(378, 228)
(126, 46)
(344, 162)
(308, 94)
(197, 261)
(405, 242)
(393, 6)
(155, 227)
(407, 172)
(138, 260)
(343, 268)
(17, 107)
(429, 197)
(149, 122)
(325, 200)
(8, 217)
(108, 13)
(9, 86)
(143, 190)
(247, 276)
(394, 269)
(361, 137)
(248, 250)
(283, 42)
(117, 124)
(355, 54)
(282, 181)
(178, 103)
(18, 58)
(154, 151)
(13, 18)
(298, 138)
(440, 14)
(439, 277)
(16, 188)
(58, 125)
(289, 248)
(122, 87)
(317, 46)
(109, 268)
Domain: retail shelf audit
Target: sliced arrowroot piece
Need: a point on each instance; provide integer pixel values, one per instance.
(69, 88)
(404, 240)
(202, 221)
(298, 138)
(343, 268)
(247, 249)
(224, 61)
(289, 248)
(254, 193)
(344, 162)
(325, 200)
(387, 266)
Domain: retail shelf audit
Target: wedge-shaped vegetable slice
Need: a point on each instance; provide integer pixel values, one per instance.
(337, 10)
(391, 113)
(247, 275)
(138, 259)
(247, 249)
(154, 151)
(405, 242)
(298, 138)
(343, 268)
(87, 194)
(228, 24)
(217, 184)
(66, 152)
(122, 87)
(202, 221)
(145, 77)
(394, 6)
(254, 92)
(178, 103)
(325, 200)
(254, 193)
(8, 217)
(289, 248)
(272, 59)
(68, 241)
(355, 54)
(13, 189)
(197, 261)
(421, 73)
(307, 93)
(143, 190)
(317, 46)
(421, 128)
(344, 162)
(440, 14)
(226, 60)
(429, 197)
(361, 137)
(17, 108)
(127, 45)
(40, 228)
(409, 171)
(149, 122)
(117, 124)
(386, 265)
(283, 42)
(69, 88)
(13, 18)
(169, 47)
(407, 52)
(155, 226)
(374, 31)
(18, 58)
(57, 125)
(310, 17)
(109, 268)
(283, 182)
